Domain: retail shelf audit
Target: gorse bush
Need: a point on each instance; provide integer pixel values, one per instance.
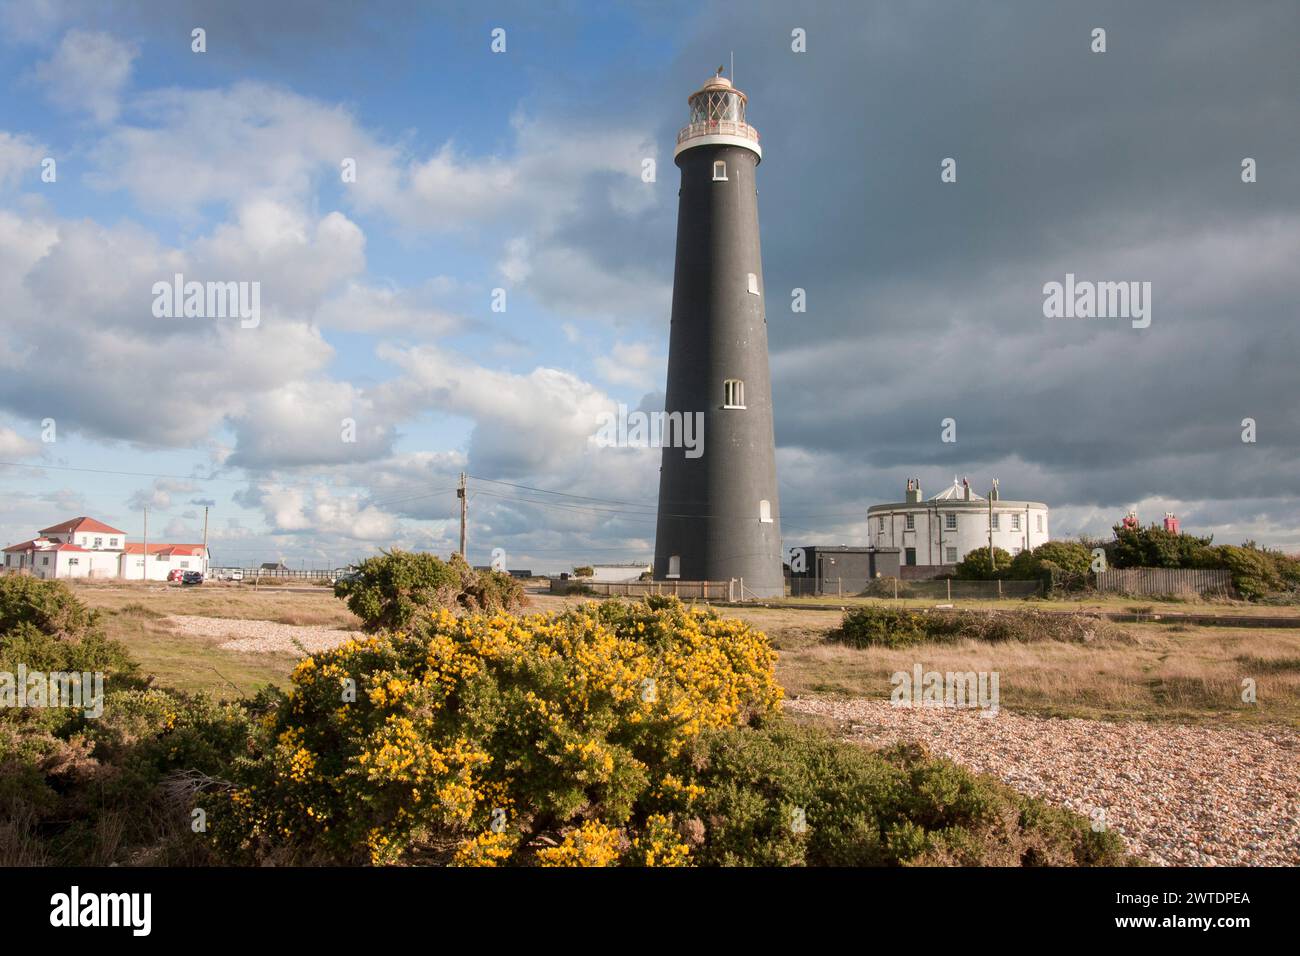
(882, 626)
(94, 790)
(389, 591)
(469, 738)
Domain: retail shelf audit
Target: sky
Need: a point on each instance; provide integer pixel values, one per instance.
(522, 171)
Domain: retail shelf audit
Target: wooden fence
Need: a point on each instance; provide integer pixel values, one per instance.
(1160, 581)
(700, 590)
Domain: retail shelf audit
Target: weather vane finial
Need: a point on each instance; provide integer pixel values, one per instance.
(720, 69)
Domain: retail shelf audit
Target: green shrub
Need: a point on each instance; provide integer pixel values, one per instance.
(79, 790)
(878, 626)
(48, 605)
(387, 592)
(784, 795)
(975, 566)
(1061, 565)
(882, 626)
(585, 571)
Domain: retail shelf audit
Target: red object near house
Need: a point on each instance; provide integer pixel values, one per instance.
(175, 574)
(1171, 523)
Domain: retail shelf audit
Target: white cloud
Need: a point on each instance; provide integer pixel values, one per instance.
(633, 364)
(20, 159)
(87, 73)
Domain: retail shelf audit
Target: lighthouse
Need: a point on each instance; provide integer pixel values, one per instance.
(719, 517)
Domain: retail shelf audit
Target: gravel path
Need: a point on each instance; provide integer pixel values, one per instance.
(260, 637)
(1179, 795)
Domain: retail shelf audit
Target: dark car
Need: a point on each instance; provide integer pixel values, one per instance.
(192, 577)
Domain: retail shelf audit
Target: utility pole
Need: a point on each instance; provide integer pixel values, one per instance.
(144, 575)
(205, 539)
(464, 506)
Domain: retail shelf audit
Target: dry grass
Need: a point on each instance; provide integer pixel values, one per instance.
(1149, 671)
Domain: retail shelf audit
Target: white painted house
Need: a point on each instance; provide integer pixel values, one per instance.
(937, 533)
(86, 548)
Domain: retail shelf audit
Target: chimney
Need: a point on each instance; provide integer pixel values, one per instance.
(965, 485)
(913, 490)
(993, 492)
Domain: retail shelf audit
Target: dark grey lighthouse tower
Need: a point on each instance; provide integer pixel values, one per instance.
(719, 518)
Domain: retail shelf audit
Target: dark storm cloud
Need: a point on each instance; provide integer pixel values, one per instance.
(925, 299)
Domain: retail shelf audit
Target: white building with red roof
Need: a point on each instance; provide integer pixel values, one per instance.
(86, 548)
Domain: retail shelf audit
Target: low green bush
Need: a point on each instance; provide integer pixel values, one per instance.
(883, 626)
(388, 591)
(785, 795)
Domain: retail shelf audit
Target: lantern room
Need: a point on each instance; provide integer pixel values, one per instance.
(717, 118)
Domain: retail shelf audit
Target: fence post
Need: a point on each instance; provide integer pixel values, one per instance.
(839, 586)
(949, 580)
(742, 588)
(999, 587)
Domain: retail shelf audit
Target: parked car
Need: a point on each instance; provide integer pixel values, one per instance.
(236, 574)
(192, 577)
(175, 574)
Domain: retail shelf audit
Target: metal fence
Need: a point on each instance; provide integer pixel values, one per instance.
(1165, 581)
(945, 589)
(702, 590)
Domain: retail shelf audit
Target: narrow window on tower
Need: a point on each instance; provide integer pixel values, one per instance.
(719, 172)
(674, 565)
(753, 284)
(765, 511)
(733, 393)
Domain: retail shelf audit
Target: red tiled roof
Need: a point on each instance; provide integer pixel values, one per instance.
(134, 547)
(82, 524)
(41, 544)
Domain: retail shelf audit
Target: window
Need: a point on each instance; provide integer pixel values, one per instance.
(72, 561)
(99, 543)
(753, 284)
(674, 565)
(162, 557)
(1015, 551)
(719, 172)
(909, 523)
(733, 393)
(112, 542)
(909, 557)
(765, 511)
(950, 555)
(880, 524)
(1040, 522)
(45, 559)
(950, 522)
(185, 564)
(1015, 522)
(993, 521)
